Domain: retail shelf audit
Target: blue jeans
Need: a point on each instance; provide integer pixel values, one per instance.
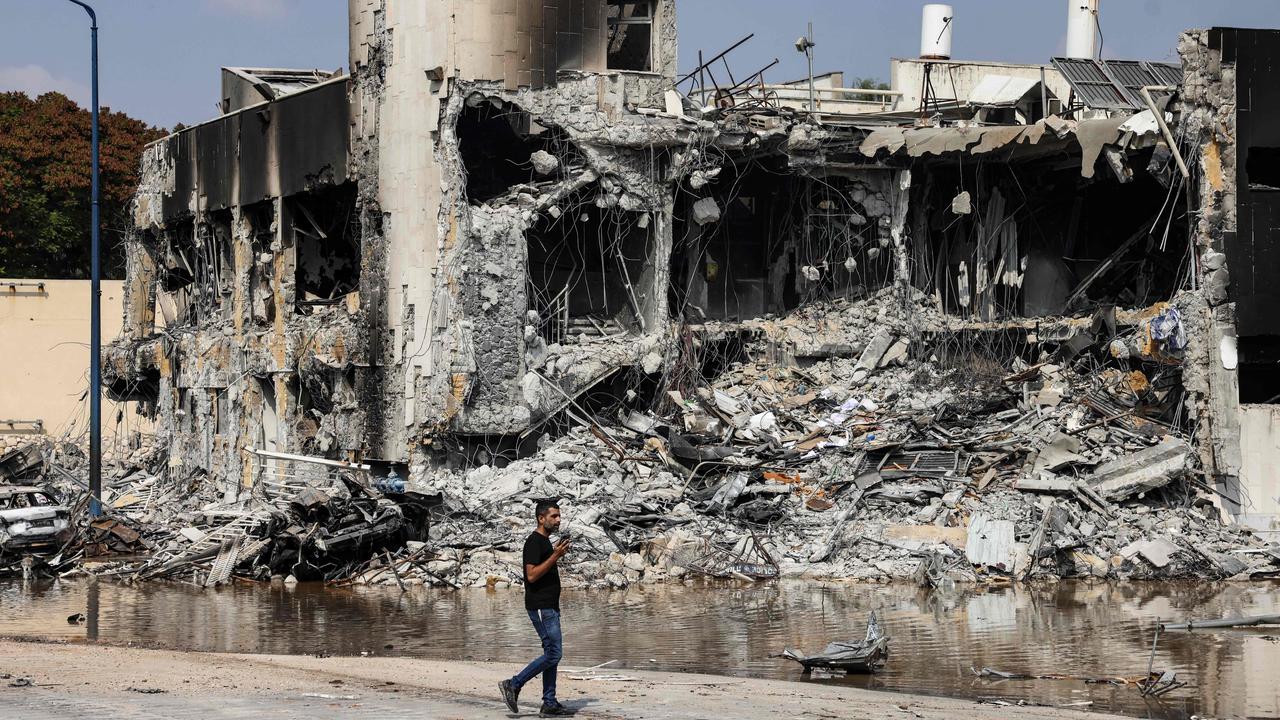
(547, 623)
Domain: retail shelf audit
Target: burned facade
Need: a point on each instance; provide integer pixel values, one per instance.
(510, 218)
(348, 266)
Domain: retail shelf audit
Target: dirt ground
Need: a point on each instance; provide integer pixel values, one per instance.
(72, 680)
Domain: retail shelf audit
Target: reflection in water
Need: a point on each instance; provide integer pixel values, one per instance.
(938, 638)
(91, 612)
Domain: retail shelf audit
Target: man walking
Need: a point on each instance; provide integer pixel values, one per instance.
(542, 601)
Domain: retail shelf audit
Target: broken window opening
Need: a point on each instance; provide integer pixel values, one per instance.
(261, 220)
(305, 418)
(493, 149)
(979, 359)
(498, 451)
(218, 257)
(701, 359)
(269, 435)
(198, 270)
(1259, 370)
(1035, 239)
(585, 270)
(497, 141)
(631, 35)
(616, 395)
(780, 242)
(1262, 166)
(221, 405)
(142, 388)
(179, 289)
(326, 240)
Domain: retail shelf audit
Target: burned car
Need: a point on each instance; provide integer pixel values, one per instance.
(31, 521)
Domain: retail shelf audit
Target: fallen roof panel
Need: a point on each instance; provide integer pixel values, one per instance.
(1001, 90)
(1090, 136)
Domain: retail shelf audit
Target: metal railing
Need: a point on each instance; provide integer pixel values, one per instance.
(829, 100)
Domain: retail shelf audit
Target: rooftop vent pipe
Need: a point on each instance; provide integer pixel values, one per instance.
(935, 32)
(1082, 29)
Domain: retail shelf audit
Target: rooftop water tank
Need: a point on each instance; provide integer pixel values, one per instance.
(935, 32)
(1082, 29)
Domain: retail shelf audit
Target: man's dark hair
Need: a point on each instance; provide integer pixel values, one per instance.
(544, 505)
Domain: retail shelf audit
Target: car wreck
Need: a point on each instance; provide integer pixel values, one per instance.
(32, 522)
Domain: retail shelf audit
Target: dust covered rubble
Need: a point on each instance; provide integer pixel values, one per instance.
(865, 440)
(308, 520)
(888, 460)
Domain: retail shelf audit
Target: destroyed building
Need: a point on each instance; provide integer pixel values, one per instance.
(345, 268)
(511, 218)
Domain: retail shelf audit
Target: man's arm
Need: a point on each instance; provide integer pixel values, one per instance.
(535, 572)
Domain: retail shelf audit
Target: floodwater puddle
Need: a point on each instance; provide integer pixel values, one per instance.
(938, 639)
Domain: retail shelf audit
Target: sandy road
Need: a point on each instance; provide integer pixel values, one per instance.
(75, 680)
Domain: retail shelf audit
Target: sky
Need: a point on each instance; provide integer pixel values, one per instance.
(160, 58)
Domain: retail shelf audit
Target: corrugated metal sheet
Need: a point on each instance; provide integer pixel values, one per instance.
(990, 542)
(1115, 84)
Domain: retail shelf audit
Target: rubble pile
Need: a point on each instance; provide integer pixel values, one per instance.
(59, 465)
(310, 520)
(871, 440)
(901, 456)
(322, 525)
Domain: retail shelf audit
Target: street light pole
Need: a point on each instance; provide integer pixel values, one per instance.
(806, 46)
(813, 101)
(95, 301)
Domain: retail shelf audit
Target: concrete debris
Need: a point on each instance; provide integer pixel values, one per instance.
(1045, 482)
(1144, 470)
(735, 339)
(1157, 551)
(544, 163)
(848, 467)
(706, 211)
(1062, 449)
(311, 520)
(883, 475)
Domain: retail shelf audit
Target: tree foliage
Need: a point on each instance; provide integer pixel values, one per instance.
(866, 83)
(45, 185)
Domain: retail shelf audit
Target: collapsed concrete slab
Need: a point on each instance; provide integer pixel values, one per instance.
(1139, 472)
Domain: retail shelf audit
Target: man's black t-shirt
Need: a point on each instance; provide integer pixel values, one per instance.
(545, 593)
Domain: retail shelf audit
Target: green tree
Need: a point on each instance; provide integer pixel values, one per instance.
(870, 84)
(45, 185)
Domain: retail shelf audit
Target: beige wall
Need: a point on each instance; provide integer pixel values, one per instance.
(1259, 475)
(44, 362)
(956, 80)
